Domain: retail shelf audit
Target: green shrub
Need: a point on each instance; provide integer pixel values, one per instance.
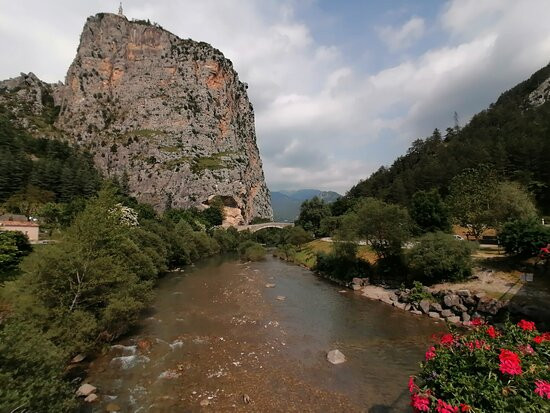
(14, 246)
(269, 236)
(419, 293)
(487, 370)
(252, 251)
(524, 238)
(286, 252)
(429, 212)
(343, 263)
(438, 257)
(31, 371)
(227, 239)
(296, 236)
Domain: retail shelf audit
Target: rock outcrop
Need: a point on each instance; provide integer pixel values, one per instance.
(168, 116)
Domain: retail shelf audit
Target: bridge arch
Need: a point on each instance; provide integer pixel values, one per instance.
(256, 227)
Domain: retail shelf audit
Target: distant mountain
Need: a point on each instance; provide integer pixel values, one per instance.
(286, 204)
(512, 136)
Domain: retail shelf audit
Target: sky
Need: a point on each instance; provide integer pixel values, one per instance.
(339, 88)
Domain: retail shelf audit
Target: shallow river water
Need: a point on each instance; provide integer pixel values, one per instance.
(218, 339)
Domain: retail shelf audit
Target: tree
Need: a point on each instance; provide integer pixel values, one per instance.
(31, 371)
(312, 212)
(429, 212)
(384, 226)
(95, 281)
(214, 214)
(343, 262)
(512, 202)
(295, 236)
(524, 237)
(28, 201)
(471, 198)
(13, 247)
(438, 257)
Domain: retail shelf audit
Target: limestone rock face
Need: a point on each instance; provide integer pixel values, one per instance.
(541, 94)
(170, 114)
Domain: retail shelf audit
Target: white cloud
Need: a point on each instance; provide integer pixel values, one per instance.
(404, 36)
(322, 120)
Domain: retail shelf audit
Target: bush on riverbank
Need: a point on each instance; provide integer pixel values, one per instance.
(439, 257)
(487, 370)
(31, 374)
(524, 238)
(252, 251)
(342, 263)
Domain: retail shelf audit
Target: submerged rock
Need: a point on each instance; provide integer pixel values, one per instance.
(112, 407)
(336, 357)
(269, 285)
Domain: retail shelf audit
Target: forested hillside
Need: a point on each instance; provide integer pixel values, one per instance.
(49, 169)
(512, 137)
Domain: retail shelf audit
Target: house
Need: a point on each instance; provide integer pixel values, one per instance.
(29, 228)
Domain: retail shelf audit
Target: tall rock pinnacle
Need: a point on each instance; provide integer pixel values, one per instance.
(169, 113)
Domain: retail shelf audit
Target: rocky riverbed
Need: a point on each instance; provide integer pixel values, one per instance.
(218, 340)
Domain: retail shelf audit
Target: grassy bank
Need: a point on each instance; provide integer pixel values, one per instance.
(306, 254)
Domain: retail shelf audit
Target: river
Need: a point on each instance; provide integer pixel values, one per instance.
(218, 340)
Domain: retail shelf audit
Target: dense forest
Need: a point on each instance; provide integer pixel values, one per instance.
(39, 170)
(512, 137)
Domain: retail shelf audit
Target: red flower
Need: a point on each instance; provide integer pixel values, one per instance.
(527, 325)
(447, 340)
(542, 337)
(480, 344)
(420, 403)
(412, 386)
(430, 354)
(443, 407)
(510, 362)
(464, 407)
(492, 332)
(542, 389)
(476, 322)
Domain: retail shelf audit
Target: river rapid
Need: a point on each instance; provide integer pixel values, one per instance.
(218, 340)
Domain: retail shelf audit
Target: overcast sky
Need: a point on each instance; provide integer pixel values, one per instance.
(339, 87)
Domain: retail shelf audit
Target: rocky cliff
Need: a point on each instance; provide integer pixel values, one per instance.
(170, 114)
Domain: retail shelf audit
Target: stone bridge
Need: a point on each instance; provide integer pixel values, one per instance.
(257, 227)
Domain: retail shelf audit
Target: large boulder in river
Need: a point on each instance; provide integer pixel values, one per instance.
(336, 357)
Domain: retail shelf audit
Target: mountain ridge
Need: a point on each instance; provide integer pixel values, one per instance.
(286, 203)
(511, 136)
